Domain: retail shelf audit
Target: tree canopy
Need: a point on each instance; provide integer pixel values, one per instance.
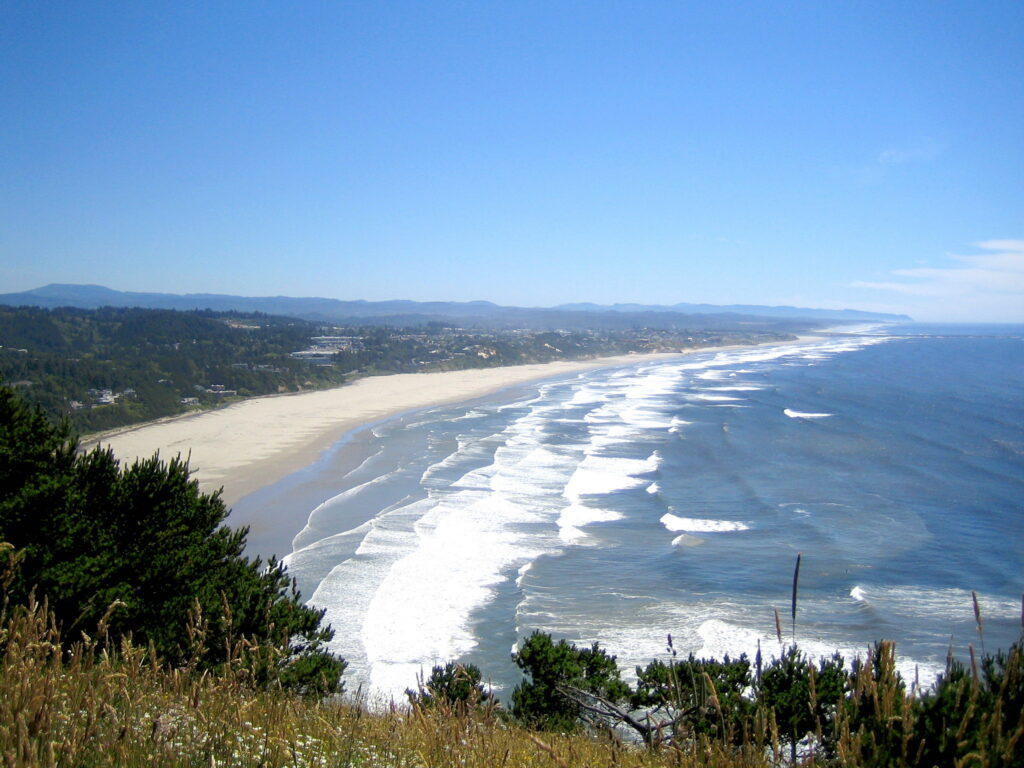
(563, 681)
(141, 548)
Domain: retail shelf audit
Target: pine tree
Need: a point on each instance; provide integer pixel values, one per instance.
(145, 539)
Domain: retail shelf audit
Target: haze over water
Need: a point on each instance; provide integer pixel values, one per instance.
(621, 505)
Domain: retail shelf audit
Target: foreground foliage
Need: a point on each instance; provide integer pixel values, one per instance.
(100, 705)
(455, 686)
(142, 553)
(91, 703)
(792, 709)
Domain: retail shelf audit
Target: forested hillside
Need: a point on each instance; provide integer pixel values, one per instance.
(109, 367)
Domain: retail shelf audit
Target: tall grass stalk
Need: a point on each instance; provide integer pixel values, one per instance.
(796, 583)
(977, 620)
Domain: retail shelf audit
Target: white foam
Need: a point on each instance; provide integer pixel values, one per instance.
(473, 413)
(519, 404)
(686, 540)
(529, 469)
(604, 436)
(938, 604)
(801, 415)
(419, 613)
(737, 388)
(586, 395)
(345, 593)
(572, 535)
(296, 555)
(600, 475)
(603, 415)
(645, 418)
(652, 386)
(677, 425)
(318, 524)
(469, 449)
(365, 463)
(693, 525)
(577, 515)
(653, 488)
(712, 398)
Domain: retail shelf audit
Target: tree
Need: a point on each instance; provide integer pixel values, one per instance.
(876, 720)
(567, 685)
(695, 696)
(976, 711)
(147, 541)
(454, 685)
(804, 698)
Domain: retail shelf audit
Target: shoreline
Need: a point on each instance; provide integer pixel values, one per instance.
(253, 444)
(257, 442)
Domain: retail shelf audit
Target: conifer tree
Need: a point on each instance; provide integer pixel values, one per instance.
(146, 540)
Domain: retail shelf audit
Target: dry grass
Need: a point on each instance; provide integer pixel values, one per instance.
(97, 706)
(92, 704)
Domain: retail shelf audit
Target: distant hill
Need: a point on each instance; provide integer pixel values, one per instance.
(483, 313)
(741, 309)
(95, 296)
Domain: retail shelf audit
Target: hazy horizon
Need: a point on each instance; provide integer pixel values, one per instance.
(828, 156)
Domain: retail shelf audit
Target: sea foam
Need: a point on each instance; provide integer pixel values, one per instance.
(693, 525)
(601, 475)
(802, 415)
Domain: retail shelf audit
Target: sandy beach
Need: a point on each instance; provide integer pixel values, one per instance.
(254, 443)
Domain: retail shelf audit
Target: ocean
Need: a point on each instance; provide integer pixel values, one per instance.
(625, 504)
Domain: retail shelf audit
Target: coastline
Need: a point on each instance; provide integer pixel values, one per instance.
(250, 446)
(254, 443)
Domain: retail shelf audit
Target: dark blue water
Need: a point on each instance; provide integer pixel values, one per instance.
(622, 505)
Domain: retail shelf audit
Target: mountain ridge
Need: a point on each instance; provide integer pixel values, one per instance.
(87, 296)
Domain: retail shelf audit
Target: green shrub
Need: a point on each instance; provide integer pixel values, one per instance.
(454, 686)
(802, 697)
(563, 681)
(143, 549)
(704, 697)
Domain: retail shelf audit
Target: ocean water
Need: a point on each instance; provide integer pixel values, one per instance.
(673, 497)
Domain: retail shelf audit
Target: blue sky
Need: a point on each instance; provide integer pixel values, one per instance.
(830, 154)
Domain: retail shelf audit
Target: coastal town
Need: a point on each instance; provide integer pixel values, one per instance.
(113, 367)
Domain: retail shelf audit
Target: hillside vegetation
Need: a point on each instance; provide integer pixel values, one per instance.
(93, 702)
(133, 632)
(139, 553)
(111, 367)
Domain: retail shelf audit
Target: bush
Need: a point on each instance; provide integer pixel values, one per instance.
(697, 697)
(454, 686)
(565, 681)
(142, 548)
(804, 698)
